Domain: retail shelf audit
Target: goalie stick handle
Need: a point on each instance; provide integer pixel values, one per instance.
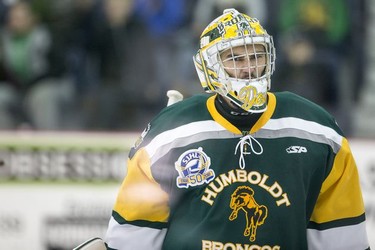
(174, 96)
(92, 244)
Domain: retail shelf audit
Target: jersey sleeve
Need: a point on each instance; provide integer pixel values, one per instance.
(141, 211)
(338, 219)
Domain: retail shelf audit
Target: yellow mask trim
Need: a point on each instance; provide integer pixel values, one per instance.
(208, 82)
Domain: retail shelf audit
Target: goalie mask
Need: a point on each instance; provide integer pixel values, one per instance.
(236, 60)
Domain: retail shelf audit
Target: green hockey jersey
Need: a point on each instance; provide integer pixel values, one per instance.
(195, 181)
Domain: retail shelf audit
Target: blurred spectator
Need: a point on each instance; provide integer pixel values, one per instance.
(170, 40)
(313, 40)
(359, 23)
(29, 95)
(124, 56)
(104, 59)
(3, 10)
(307, 71)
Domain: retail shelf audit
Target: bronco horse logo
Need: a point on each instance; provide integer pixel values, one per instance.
(243, 199)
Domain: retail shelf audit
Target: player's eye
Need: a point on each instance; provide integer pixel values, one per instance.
(239, 58)
(256, 57)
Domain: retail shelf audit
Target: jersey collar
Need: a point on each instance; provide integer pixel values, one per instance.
(229, 126)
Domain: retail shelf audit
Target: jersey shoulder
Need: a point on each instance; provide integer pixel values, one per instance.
(189, 110)
(289, 104)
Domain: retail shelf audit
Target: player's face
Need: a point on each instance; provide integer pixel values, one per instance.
(245, 62)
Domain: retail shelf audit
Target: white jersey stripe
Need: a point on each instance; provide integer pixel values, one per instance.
(308, 126)
(274, 128)
(130, 237)
(184, 131)
(340, 238)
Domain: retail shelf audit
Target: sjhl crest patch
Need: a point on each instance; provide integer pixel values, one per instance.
(193, 168)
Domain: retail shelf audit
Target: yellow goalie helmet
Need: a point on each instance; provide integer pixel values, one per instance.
(236, 59)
